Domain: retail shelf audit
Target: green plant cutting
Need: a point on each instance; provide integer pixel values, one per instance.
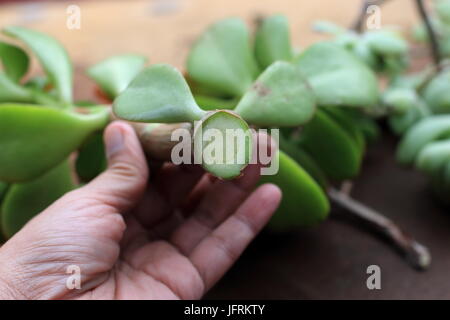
(323, 99)
(40, 115)
(330, 146)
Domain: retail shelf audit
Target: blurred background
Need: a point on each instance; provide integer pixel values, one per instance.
(326, 262)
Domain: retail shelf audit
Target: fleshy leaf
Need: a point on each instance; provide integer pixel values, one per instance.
(401, 123)
(337, 77)
(337, 153)
(272, 41)
(13, 92)
(386, 42)
(115, 74)
(34, 139)
(158, 94)
(304, 159)
(223, 143)
(24, 200)
(400, 100)
(434, 157)
(437, 93)
(427, 130)
(304, 202)
(14, 60)
(279, 97)
(222, 58)
(348, 124)
(52, 56)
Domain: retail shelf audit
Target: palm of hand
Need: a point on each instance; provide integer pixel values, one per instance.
(178, 253)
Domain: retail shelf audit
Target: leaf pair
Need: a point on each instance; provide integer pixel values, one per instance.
(160, 94)
(223, 61)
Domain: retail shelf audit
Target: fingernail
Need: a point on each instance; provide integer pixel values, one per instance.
(114, 141)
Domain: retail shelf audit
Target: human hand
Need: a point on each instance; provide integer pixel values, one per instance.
(134, 239)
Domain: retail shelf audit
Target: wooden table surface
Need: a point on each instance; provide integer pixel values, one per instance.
(325, 262)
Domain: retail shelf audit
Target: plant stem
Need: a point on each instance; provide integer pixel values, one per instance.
(155, 138)
(358, 24)
(434, 44)
(417, 254)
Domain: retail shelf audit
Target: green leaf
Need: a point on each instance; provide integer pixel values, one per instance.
(367, 125)
(222, 58)
(437, 93)
(115, 74)
(426, 131)
(12, 92)
(91, 160)
(304, 203)
(349, 125)
(304, 159)
(223, 144)
(337, 77)
(52, 56)
(272, 41)
(35, 139)
(402, 122)
(158, 94)
(400, 100)
(336, 152)
(24, 200)
(434, 156)
(279, 97)
(363, 51)
(15, 61)
(386, 42)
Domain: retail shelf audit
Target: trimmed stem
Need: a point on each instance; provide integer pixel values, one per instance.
(434, 44)
(156, 138)
(417, 254)
(358, 24)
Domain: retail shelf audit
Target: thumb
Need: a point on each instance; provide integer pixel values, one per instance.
(125, 179)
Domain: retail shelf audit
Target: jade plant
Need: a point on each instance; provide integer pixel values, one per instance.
(44, 117)
(322, 100)
(425, 125)
(329, 148)
(326, 148)
(416, 105)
